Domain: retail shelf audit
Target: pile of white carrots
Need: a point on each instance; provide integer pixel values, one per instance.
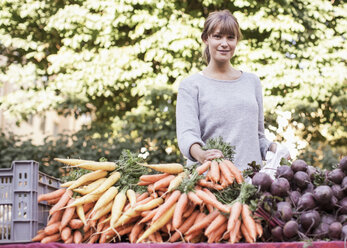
(166, 212)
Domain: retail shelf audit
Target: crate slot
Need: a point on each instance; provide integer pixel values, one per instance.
(5, 221)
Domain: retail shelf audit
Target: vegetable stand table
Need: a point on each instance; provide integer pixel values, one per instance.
(330, 244)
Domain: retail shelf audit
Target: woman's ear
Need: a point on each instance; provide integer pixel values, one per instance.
(205, 41)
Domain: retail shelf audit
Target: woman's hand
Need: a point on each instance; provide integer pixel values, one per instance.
(203, 155)
(273, 148)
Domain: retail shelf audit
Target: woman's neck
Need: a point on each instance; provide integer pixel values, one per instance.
(221, 71)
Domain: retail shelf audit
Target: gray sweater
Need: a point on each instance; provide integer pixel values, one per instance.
(232, 109)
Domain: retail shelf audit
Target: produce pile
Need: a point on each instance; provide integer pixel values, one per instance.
(131, 201)
(303, 202)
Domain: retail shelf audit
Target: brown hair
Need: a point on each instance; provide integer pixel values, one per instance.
(228, 25)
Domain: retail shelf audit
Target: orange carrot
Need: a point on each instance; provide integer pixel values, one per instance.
(259, 229)
(209, 200)
(164, 182)
(67, 216)
(142, 196)
(235, 231)
(249, 222)
(52, 229)
(53, 201)
(235, 212)
(189, 211)
(184, 227)
(158, 237)
(167, 204)
(215, 224)
(214, 236)
(223, 182)
(62, 202)
(52, 195)
(65, 233)
(153, 178)
(87, 235)
(234, 170)
(69, 240)
(215, 173)
(51, 238)
(135, 232)
(126, 230)
(194, 198)
(143, 183)
(229, 177)
(77, 237)
(75, 223)
(149, 216)
(205, 183)
(204, 223)
(246, 234)
(178, 213)
(55, 217)
(94, 238)
(204, 167)
(39, 237)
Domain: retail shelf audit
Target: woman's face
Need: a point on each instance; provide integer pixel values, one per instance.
(221, 46)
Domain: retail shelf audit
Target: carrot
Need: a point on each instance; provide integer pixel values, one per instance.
(126, 217)
(126, 230)
(234, 232)
(67, 216)
(52, 195)
(208, 200)
(76, 223)
(182, 203)
(223, 182)
(131, 195)
(62, 202)
(229, 177)
(52, 229)
(215, 224)
(85, 199)
(171, 168)
(65, 233)
(211, 185)
(77, 237)
(105, 198)
(53, 201)
(234, 170)
(207, 191)
(143, 183)
(215, 173)
(235, 212)
(112, 179)
(189, 211)
(176, 181)
(51, 238)
(259, 229)
(102, 211)
(246, 234)
(164, 182)
(204, 223)
(149, 216)
(69, 240)
(135, 232)
(106, 166)
(86, 189)
(190, 237)
(184, 227)
(71, 161)
(142, 196)
(39, 237)
(92, 176)
(149, 205)
(117, 207)
(167, 205)
(55, 217)
(158, 237)
(204, 167)
(194, 198)
(248, 222)
(166, 217)
(94, 238)
(66, 184)
(153, 178)
(87, 235)
(214, 236)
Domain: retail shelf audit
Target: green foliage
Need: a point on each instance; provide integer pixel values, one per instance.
(122, 61)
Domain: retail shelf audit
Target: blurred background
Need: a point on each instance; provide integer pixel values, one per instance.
(86, 79)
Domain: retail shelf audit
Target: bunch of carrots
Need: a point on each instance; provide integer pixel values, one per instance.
(136, 202)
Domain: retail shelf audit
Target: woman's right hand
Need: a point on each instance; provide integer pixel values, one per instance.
(203, 155)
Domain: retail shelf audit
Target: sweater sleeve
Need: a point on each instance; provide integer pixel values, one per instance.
(187, 119)
(264, 143)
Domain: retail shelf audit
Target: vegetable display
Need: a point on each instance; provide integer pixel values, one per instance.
(129, 200)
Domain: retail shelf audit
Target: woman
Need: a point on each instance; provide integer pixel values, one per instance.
(221, 100)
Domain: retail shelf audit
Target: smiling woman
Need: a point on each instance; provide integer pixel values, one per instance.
(221, 100)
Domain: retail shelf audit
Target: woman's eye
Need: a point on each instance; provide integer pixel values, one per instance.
(231, 37)
(216, 36)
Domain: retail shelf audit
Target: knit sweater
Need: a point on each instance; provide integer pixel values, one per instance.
(232, 109)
